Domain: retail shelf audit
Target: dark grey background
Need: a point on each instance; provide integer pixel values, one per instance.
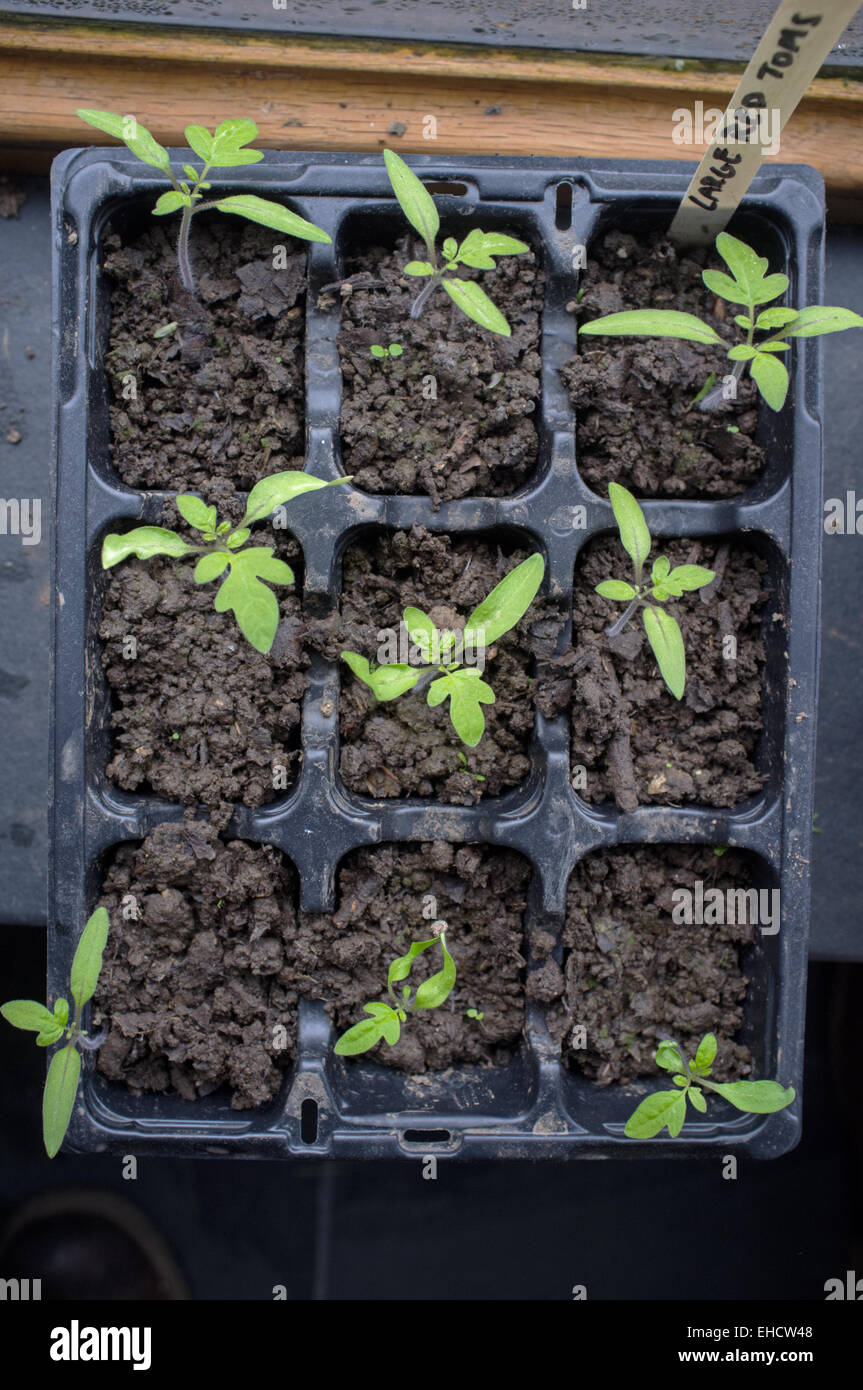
(663, 28)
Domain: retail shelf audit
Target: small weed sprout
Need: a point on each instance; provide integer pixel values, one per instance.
(225, 148)
(749, 285)
(668, 1108)
(386, 1019)
(53, 1025)
(242, 591)
(663, 632)
(394, 350)
(477, 251)
(462, 685)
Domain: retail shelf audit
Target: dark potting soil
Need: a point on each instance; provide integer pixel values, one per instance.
(402, 747)
(632, 976)
(636, 742)
(635, 422)
(481, 894)
(221, 397)
(199, 715)
(455, 415)
(218, 958)
(194, 987)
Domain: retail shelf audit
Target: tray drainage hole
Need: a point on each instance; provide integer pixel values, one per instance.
(455, 190)
(309, 1121)
(426, 1136)
(563, 207)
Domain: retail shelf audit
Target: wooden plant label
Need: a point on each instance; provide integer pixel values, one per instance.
(794, 46)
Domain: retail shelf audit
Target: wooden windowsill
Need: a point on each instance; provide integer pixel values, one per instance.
(326, 94)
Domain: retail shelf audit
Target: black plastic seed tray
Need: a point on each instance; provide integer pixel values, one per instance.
(533, 1107)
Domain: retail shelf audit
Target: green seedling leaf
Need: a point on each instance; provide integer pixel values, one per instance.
(418, 268)
(507, 603)
(145, 542)
(281, 488)
(433, 991)
(170, 202)
(491, 244)
(395, 349)
(58, 1100)
(450, 247)
(423, 634)
(27, 1014)
(390, 1028)
(274, 215)
(668, 1056)
(229, 137)
(132, 133)
(400, 968)
(723, 285)
(745, 265)
(777, 317)
(87, 961)
(377, 351)
(50, 1036)
(360, 1037)
(755, 1097)
(439, 691)
(653, 323)
(476, 304)
(364, 1035)
(196, 512)
(61, 1011)
(415, 201)
(634, 535)
(742, 352)
(705, 1054)
(696, 1095)
(616, 589)
(210, 567)
(387, 682)
(238, 538)
(706, 388)
(661, 566)
(666, 639)
(771, 377)
(475, 257)
(254, 606)
(655, 1112)
(421, 630)
(771, 287)
(199, 139)
(685, 579)
(749, 270)
(821, 318)
(467, 694)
